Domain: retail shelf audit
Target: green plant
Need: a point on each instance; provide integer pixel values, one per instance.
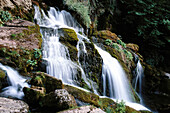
(37, 53)
(5, 16)
(108, 42)
(32, 62)
(128, 54)
(13, 35)
(116, 46)
(81, 9)
(121, 43)
(109, 110)
(120, 107)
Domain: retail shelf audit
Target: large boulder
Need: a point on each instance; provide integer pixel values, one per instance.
(13, 106)
(20, 41)
(11, 4)
(44, 80)
(106, 34)
(33, 94)
(59, 100)
(83, 96)
(84, 109)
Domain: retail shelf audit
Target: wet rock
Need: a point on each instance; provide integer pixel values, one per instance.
(133, 47)
(106, 34)
(69, 38)
(3, 79)
(13, 106)
(34, 94)
(84, 109)
(59, 100)
(19, 23)
(44, 80)
(82, 95)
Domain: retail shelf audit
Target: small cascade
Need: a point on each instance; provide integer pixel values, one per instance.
(117, 81)
(16, 83)
(54, 52)
(137, 83)
(139, 76)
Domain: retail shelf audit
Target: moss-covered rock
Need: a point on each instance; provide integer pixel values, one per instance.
(133, 47)
(69, 38)
(58, 100)
(3, 79)
(106, 34)
(20, 46)
(92, 64)
(83, 96)
(44, 80)
(34, 94)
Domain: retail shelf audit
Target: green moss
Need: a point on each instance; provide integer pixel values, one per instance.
(69, 39)
(83, 96)
(131, 110)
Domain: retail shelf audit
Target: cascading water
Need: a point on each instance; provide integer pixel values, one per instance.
(114, 73)
(139, 73)
(139, 76)
(54, 52)
(16, 83)
(59, 63)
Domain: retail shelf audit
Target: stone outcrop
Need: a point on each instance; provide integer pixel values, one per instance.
(82, 95)
(34, 94)
(84, 109)
(49, 82)
(13, 106)
(11, 4)
(19, 39)
(106, 34)
(59, 100)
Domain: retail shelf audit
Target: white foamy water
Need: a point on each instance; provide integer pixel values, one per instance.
(54, 52)
(118, 84)
(16, 83)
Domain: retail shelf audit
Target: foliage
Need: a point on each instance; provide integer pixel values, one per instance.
(128, 54)
(121, 43)
(37, 53)
(108, 42)
(149, 16)
(36, 58)
(81, 9)
(116, 46)
(32, 62)
(5, 16)
(120, 107)
(13, 35)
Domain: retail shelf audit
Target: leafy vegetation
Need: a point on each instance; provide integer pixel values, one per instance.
(121, 43)
(5, 16)
(80, 8)
(108, 42)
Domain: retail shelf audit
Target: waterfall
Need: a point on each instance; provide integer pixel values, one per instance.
(139, 76)
(58, 59)
(139, 73)
(54, 52)
(16, 83)
(117, 82)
